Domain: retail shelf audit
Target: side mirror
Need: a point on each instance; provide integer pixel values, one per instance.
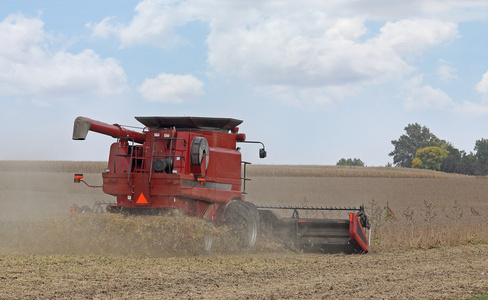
(262, 151)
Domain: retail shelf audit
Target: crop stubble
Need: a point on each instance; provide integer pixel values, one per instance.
(455, 272)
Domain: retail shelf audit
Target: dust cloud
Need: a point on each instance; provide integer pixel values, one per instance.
(35, 218)
(30, 195)
(106, 234)
(120, 235)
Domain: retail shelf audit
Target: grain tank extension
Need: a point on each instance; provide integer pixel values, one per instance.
(193, 165)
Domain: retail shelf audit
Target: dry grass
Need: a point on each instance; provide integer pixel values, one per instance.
(52, 166)
(343, 171)
(426, 227)
(430, 212)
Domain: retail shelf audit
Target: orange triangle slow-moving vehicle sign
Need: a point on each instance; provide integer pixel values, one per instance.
(142, 199)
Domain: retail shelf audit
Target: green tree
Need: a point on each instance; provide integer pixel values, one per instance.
(429, 158)
(416, 137)
(481, 148)
(452, 163)
(350, 162)
(467, 164)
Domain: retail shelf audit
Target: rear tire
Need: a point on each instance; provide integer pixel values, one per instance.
(243, 220)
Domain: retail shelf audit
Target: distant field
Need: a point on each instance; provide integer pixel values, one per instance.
(341, 171)
(252, 170)
(429, 239)
(53, 166)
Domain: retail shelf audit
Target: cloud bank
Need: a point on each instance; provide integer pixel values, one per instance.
(170, 88)
(298, 54)
(32, 67)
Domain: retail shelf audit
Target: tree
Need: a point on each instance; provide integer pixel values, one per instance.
(350, 162)
(452, 162)
(470, 164)
(429, 158)
(481, 148)
(467, 164)
(416, 137)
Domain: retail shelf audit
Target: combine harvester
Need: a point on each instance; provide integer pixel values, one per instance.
(193, 165)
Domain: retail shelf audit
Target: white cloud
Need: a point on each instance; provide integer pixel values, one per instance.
(152, 24)
(31, 68)
(470, 108)
(104, 28)
(421, 96)
(279, 51)
(155, 20)
(482, 86)
(453, 10)
(445, 71)
(170, 88)
(309, 48)
(283, 52)
(412, 36)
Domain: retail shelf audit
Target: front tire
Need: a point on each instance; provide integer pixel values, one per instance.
(242, 218)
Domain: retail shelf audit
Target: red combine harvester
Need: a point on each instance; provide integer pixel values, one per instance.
(192, 164)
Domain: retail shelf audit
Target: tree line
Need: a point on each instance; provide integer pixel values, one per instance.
(350, 162)
(419, 148)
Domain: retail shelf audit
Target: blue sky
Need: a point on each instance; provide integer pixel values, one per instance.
(316, 81)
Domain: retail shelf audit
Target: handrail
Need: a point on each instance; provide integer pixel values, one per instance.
(244, 179)
(130, 160)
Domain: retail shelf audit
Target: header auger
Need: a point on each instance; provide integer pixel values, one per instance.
(193, 165)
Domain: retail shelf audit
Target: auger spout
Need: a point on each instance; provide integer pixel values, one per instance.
(82, 125)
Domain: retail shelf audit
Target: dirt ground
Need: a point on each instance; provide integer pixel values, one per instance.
(455, 272)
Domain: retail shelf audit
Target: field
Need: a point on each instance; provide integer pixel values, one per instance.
(430, 239)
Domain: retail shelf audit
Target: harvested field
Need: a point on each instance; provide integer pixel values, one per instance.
(452, 272)
(430, 239)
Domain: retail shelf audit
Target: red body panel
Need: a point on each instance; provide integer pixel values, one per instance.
(356, 232)
(197, 189)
